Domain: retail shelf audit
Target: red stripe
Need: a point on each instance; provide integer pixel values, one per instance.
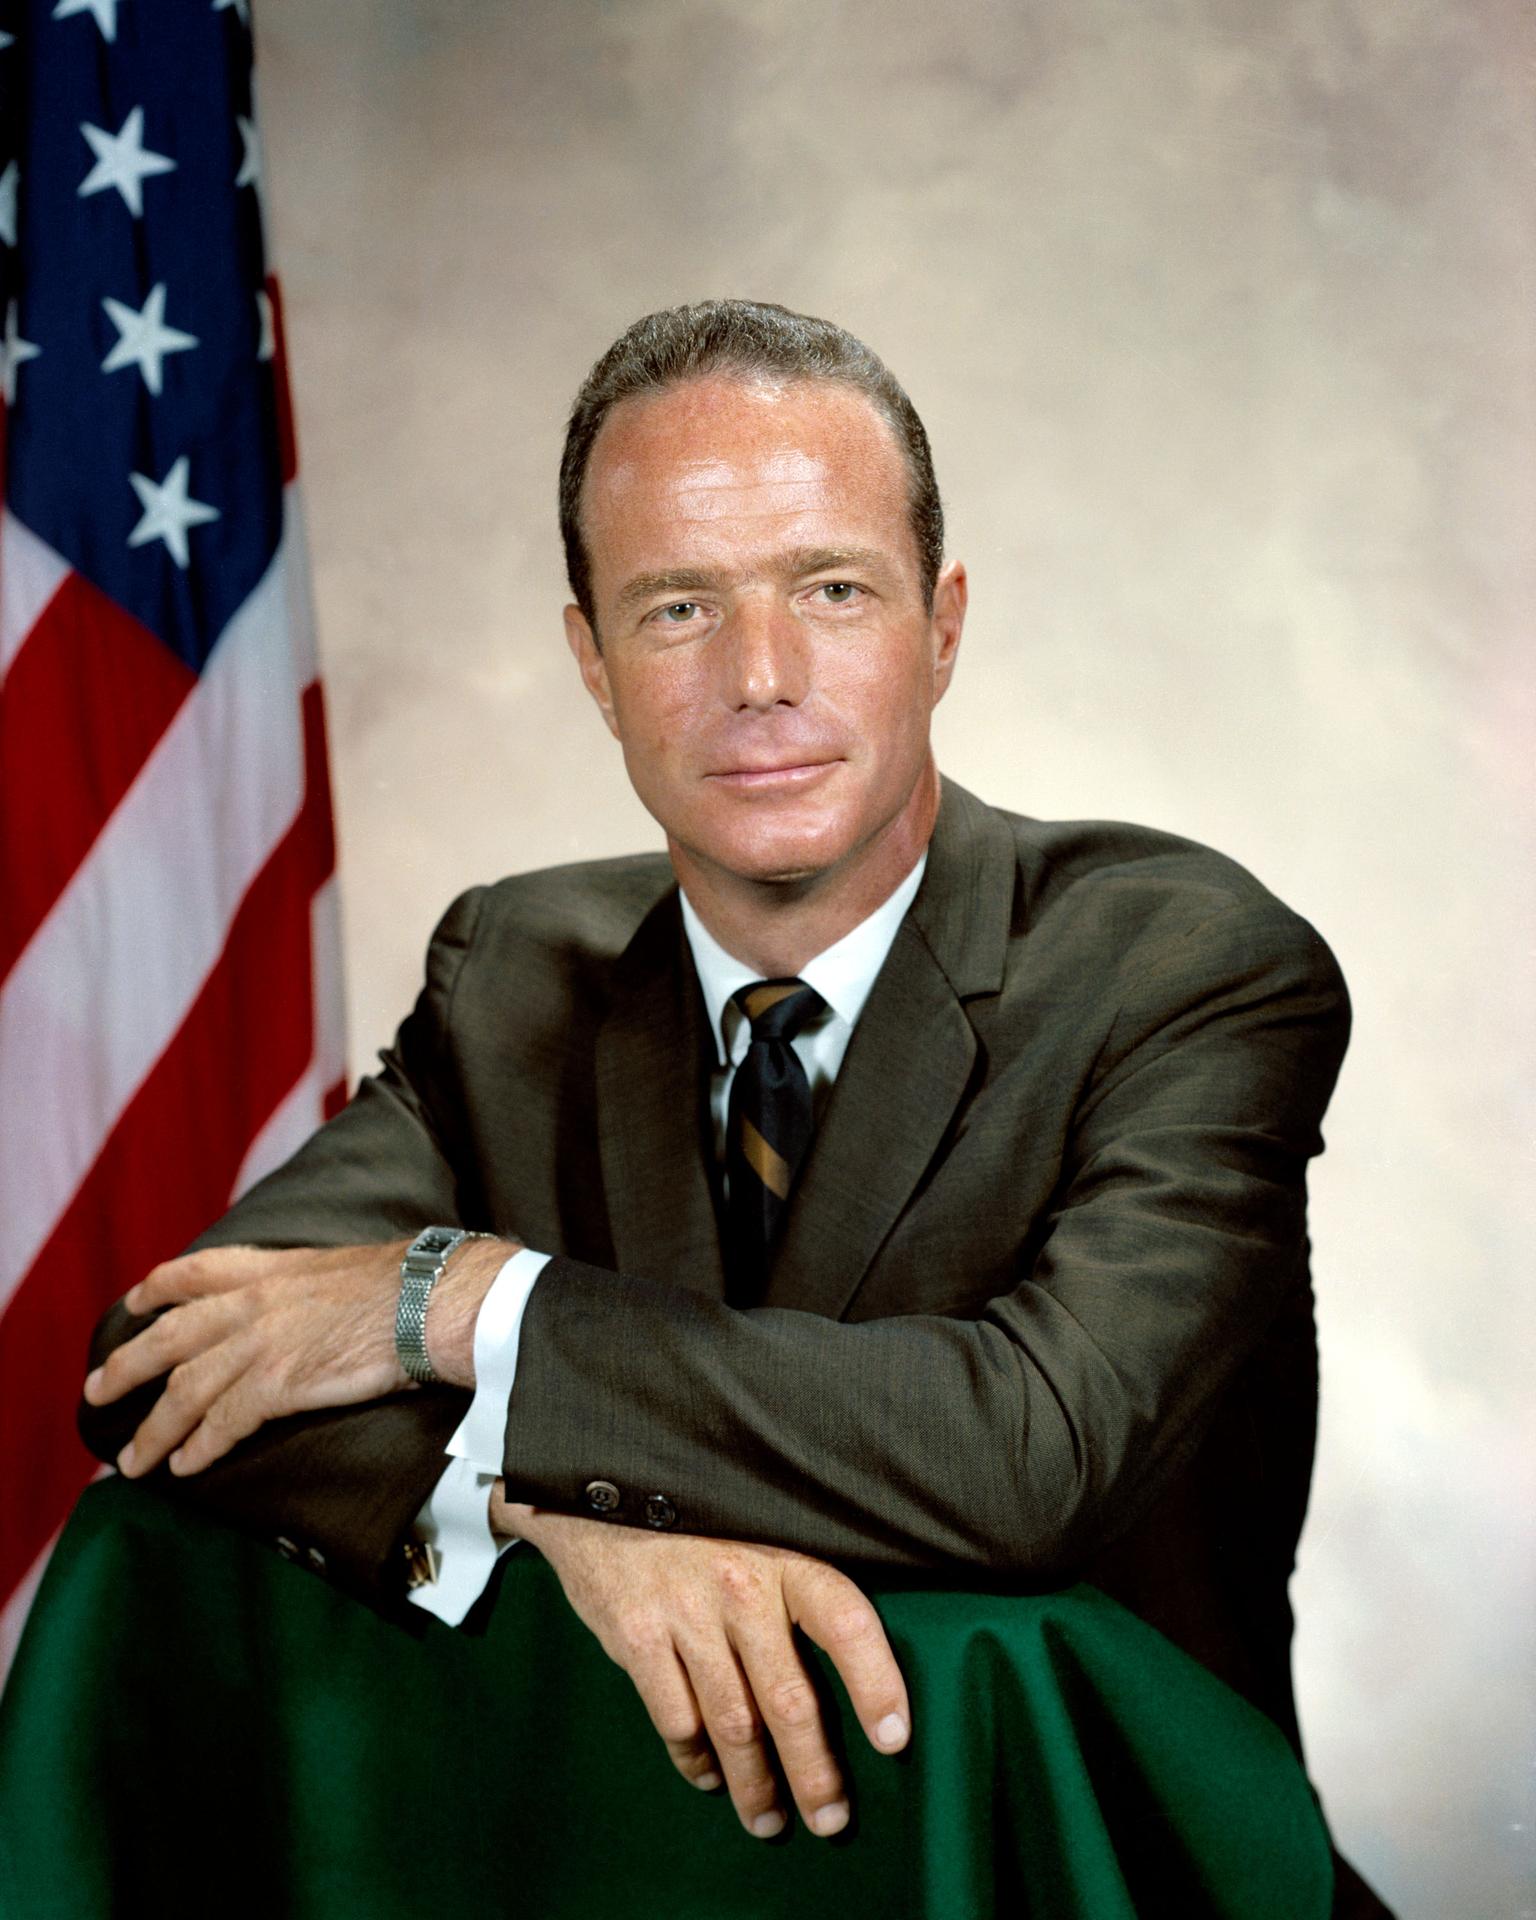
(87, 696)
(287, 440)
(165, 1172)
(316, 812)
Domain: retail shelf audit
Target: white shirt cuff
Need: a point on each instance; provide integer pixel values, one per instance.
(456, 1524)
(481, 1436)
(455, 1521)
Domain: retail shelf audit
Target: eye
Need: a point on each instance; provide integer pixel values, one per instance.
(678, 611)
(839, 593)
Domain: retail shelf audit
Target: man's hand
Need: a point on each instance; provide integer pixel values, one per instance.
(705, 1629)
(251, 1334)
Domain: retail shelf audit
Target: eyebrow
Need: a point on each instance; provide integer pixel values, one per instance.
(645, 586)
(794, 564)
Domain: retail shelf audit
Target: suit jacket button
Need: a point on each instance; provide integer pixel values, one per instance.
(602, 1496)
(659, 1511)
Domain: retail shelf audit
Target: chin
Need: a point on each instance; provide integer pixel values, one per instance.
(777, 851)
(780, 863)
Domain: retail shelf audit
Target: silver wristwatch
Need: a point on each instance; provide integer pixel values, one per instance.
(420, 1271)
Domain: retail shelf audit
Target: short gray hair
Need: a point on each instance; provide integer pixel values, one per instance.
(746, 338)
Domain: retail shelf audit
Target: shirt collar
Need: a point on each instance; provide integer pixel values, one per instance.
(842, 974)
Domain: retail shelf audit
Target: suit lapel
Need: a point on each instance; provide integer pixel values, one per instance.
(907, 1067)
(901, 1080)
(650, 1112)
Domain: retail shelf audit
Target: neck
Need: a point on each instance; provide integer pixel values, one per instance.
(777, 926)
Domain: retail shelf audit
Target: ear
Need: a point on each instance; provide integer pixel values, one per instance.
(582, 642)
(950, 593)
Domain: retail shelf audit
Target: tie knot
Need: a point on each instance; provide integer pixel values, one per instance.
(778, 1009)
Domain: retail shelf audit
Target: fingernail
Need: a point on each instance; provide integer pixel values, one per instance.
(125, 1459)
(92, 1382)
(891, 1731)
(176, 1460)
(830, 1819)
(766, 1825)
(707, 1782)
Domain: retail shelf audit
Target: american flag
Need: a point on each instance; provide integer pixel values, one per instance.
(170, 1019)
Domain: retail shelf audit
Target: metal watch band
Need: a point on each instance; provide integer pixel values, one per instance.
(420, 1271)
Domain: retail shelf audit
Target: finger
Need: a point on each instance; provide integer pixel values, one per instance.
(792, 1714)
(827, 1606)
(663, 1686)
(191, 1389)
(735, 1730)
(235, 1414)
(194, 1275)
(177, 1335)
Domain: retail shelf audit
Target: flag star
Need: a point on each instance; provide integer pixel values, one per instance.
(266, 345)
(122, 161)
(242, 9)
(13, 350)
(143, 338)
(250, 161)
(8, 181)
(104, 10)
(168, 511)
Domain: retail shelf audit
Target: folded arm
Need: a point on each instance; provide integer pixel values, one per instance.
(241, 1336)
(1027, 1438)
(1020, 1439)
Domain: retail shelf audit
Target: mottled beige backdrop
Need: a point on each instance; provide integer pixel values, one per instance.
(1219, 313)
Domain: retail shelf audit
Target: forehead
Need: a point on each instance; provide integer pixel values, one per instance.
(730, 463)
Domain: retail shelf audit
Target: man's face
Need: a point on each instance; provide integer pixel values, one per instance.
(768, 663)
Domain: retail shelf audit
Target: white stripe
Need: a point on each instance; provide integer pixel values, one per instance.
(31, 573)
(112, 971)
(330, 996)
(291, 1123)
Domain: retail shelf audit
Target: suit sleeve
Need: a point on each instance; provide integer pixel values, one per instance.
(342, 1488)
(1023, 1440)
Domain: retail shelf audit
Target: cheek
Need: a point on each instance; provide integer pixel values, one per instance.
(886, 703)
(659, 706)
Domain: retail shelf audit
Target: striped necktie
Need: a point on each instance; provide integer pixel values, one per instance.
(768, 1129)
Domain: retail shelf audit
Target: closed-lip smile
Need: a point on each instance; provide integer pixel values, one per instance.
(783, 773)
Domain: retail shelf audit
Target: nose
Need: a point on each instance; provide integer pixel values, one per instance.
(764, 658)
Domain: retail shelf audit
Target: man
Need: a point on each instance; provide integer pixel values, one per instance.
(926, 1185)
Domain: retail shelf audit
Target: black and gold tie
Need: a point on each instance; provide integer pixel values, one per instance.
(768, 1129)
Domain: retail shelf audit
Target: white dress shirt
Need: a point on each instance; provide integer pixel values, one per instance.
(455, 1521)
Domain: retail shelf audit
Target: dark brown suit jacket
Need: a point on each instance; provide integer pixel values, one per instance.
(1042, 1308)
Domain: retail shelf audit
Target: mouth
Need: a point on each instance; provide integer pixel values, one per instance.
(769, 779)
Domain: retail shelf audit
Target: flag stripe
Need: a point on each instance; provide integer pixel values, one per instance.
(87, 697)
(229, 1076)
(322, 1087)
(287, 439)
(162, 883)
(330, 995)
(31, 573)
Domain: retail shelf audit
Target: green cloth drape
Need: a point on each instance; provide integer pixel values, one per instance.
(194, 1726)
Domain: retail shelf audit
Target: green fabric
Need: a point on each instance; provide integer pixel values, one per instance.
(196, 1726)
